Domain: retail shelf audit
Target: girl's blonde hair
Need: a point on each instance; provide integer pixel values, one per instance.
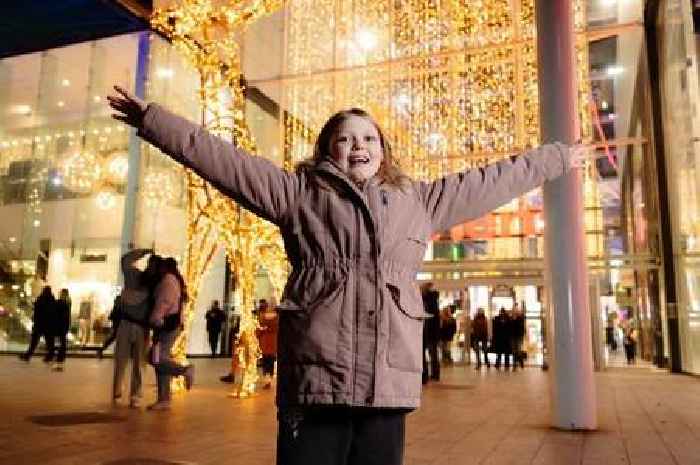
(389, 171)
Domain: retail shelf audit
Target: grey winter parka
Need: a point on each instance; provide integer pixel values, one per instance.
(351, 315)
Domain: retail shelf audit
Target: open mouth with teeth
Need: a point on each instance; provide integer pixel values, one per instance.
(355, 160)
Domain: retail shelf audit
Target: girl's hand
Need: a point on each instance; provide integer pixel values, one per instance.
(578, 154)
(129, 108)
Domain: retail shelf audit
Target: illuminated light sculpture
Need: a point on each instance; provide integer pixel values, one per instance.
(203, 32)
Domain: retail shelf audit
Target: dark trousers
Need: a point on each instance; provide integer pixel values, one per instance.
(430, 348)
(34, 342)
(506, 355)
(62, 344)
(213, 341)
(630, 353)
(268, 364)
(166, 367)
(481, 345)
(341, 436)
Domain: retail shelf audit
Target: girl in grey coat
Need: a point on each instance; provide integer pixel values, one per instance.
(355, 230)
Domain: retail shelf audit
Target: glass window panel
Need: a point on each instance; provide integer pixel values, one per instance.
(619, 86)
(602, 13)
(680, 94)
(62, 171)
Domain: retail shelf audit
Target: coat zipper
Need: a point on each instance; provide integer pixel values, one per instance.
(355, 326)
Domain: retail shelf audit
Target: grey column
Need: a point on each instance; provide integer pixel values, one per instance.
(573, 397)
(134, 174)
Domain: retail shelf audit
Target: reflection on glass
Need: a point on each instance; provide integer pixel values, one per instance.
(62, 171)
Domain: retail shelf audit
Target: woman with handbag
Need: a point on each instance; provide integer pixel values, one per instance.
(166, 319)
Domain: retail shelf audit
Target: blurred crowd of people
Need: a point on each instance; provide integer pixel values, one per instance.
(504, 337)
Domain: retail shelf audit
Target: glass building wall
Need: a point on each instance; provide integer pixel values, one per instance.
(63, 166)
(678, 55)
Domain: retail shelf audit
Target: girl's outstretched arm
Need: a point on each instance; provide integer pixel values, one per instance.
(461, 197)
(254, 182)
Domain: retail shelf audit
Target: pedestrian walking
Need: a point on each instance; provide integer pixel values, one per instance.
(59, 328)
(448, 329)
(480, 338)
(517, 336)
(215, 318)
(42, 318)
(132, 331)
(166, 319)
(85, 320)
(501, 340)
(355, 229)
(431, 333)
(630, 342)
(267, 337)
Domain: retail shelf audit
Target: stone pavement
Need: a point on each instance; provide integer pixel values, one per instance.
(646, 417)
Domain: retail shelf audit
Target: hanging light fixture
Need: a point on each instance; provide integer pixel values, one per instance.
(117, 167)
(80, 172)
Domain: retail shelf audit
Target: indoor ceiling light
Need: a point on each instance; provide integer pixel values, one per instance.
(20, 109)
(614, 70)
(165, 73)
(366, 39)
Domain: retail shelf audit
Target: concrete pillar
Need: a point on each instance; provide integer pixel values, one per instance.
(573, 405)
(134, 173)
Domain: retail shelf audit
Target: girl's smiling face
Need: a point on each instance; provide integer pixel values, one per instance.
(356, 148)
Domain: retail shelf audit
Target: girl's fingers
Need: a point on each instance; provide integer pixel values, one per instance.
(123, 119)
(120, 104)
(123, 92)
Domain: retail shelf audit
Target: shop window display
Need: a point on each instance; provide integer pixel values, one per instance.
(63, 165)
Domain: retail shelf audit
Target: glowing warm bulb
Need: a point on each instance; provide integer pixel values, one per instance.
(366, 39)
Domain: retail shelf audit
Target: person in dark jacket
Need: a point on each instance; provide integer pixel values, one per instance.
(60, 325)
(431, 333)
(501, 338)
(448, 329)
(215, 320)
(517, 335)
(44, 307)
(480, 338)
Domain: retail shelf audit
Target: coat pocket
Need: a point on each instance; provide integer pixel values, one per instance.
(308, 333)
(406, 318)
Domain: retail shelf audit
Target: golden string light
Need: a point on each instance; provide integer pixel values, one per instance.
(454, 82)
(159, 188)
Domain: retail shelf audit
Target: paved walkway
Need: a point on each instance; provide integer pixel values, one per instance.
(646, 417)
